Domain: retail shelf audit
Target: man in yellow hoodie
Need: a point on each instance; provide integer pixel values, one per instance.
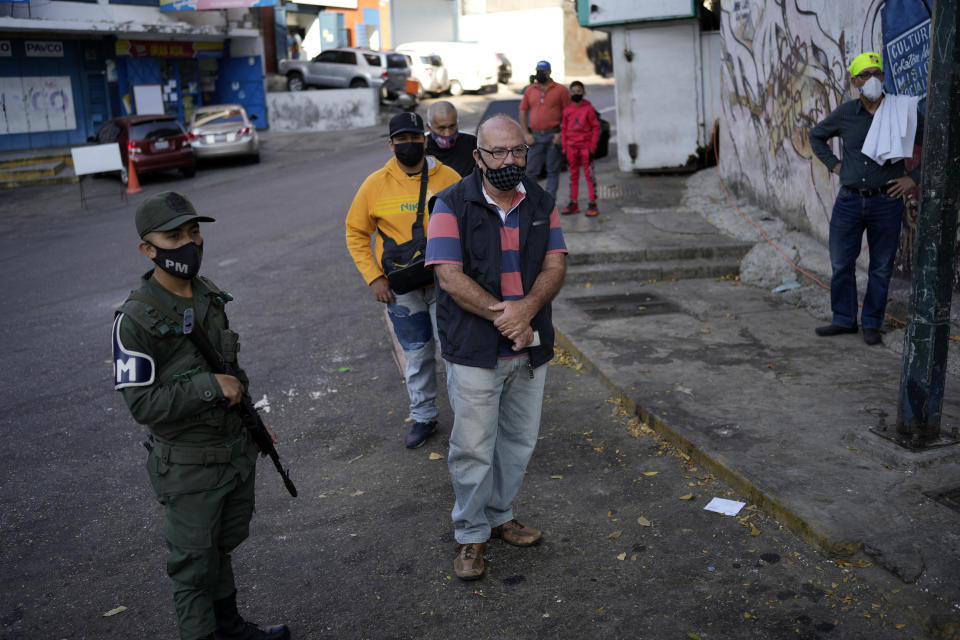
(387, 205)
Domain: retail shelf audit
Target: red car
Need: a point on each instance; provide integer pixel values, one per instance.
(154, 143)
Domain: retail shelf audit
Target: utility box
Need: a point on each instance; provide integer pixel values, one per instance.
(667, 79)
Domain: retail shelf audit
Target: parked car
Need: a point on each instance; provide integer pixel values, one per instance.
(428, 70)
(153, 143)
(222, 130)
(470, 65)
(505, 70)
(385, 71)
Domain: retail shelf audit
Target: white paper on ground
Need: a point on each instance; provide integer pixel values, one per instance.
(724, 506)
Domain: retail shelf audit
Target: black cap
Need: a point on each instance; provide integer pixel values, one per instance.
(403, 122)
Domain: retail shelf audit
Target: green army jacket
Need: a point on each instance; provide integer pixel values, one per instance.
(165, 382)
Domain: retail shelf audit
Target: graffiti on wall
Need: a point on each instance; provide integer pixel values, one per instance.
(784, 69)
(34, 104)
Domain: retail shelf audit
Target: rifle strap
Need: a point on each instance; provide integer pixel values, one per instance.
(167, 311)
(198, 336)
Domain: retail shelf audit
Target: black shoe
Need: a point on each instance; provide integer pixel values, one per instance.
(419, 434)
(871, 336)
(834, 330)
(231, 626)
(250, 631)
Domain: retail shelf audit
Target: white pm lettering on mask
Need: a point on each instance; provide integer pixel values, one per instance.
(176, 266)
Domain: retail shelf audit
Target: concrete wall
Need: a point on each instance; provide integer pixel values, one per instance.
(784, 69)
(509, 33)
(415, 20)
(323, 110)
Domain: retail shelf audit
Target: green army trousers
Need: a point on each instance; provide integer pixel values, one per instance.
(207, 511)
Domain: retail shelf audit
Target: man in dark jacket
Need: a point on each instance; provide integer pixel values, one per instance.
(496, 245)
(446, 142)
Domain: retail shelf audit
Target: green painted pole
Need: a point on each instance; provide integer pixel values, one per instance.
(928, 325)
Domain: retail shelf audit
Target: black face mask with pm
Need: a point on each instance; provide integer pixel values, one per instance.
(542, 76)
(409, 153)
(182, 262)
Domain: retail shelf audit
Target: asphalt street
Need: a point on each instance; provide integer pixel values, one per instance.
(366, 551)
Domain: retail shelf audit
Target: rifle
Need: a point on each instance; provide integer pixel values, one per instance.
(248, 413)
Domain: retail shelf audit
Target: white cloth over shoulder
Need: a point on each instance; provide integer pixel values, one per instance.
(893, 129)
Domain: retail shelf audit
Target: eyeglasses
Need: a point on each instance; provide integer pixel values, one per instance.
(519, 152)
(866, 75)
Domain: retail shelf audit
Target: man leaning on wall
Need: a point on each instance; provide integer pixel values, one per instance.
(876, 133)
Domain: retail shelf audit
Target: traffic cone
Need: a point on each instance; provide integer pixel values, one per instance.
(133, 184)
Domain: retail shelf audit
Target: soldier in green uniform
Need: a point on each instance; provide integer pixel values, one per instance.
(201, 462)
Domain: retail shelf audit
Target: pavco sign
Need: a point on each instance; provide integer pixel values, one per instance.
(38, 49)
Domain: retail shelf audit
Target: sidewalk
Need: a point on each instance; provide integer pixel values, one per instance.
(734, 375)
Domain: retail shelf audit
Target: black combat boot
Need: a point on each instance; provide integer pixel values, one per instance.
(231, 626)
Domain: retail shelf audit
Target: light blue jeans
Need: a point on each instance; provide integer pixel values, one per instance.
(414, 319)
(495, 426)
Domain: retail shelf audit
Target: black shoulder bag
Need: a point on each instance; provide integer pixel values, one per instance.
(403, 264)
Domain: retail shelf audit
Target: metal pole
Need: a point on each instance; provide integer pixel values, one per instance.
(927, 333)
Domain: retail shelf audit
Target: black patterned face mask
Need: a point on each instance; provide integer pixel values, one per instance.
(506, 178)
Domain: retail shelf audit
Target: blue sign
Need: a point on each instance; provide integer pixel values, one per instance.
(906, 52)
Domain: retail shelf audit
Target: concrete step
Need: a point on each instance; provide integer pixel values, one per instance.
(13, 161)
(34, 170)
(726, 251)
(652, 270)
(64, 177)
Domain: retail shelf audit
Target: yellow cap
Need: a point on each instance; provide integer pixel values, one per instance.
(865, 61)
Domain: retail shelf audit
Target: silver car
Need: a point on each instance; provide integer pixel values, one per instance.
(221, 130)
(349, 68)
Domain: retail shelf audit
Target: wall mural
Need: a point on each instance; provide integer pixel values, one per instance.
(784, 67)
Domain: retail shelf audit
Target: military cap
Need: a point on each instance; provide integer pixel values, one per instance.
(165, 211)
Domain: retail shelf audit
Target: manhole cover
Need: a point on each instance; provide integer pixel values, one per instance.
(623, 305)
(946, 497)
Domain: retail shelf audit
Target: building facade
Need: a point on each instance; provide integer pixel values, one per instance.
(68, 67)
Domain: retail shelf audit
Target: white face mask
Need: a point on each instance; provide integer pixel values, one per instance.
(872, 89)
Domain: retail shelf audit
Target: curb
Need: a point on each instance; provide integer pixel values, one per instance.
(802, 528)
(940, 626)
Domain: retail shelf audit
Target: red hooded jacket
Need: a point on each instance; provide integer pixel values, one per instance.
(580, 128)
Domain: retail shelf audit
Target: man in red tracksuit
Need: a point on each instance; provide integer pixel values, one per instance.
(579, 133)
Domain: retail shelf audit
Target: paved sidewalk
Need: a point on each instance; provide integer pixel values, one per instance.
(734, 375)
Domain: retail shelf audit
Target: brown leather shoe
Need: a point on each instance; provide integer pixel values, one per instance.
(469, 561)
(516, 533)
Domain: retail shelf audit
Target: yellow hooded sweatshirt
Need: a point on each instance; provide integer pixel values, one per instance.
(388, 200)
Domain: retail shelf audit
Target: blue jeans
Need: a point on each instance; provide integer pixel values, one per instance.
(495, 427)
(543, 150)
(414, 321)
(881, 217)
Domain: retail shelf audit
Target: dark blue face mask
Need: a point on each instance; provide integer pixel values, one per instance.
(182, 262)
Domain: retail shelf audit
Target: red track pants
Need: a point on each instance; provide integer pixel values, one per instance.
(575, 158)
